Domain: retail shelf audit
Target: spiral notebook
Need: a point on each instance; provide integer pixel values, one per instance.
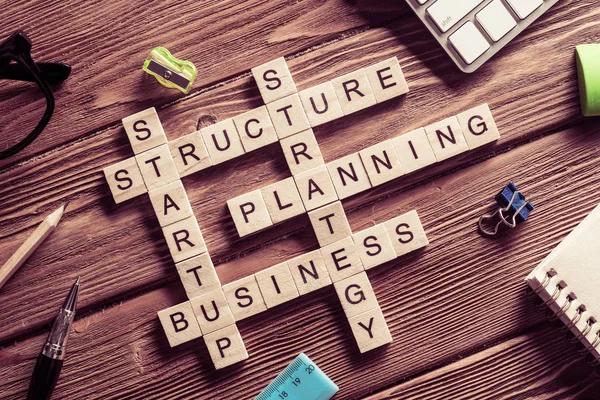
(568, 281)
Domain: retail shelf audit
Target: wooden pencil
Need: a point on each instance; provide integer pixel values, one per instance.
(28, 247)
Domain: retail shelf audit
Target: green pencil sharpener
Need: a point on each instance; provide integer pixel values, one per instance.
(588, 72)
(170, 71)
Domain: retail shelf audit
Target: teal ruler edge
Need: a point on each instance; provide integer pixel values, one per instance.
(301, 380)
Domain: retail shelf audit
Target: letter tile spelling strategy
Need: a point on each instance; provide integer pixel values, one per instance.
(315, 188)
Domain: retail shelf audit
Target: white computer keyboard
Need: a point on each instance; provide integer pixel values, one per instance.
(472, 31)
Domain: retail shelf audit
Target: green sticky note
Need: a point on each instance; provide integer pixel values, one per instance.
(588, 71)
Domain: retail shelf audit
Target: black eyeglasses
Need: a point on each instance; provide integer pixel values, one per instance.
(16, 64)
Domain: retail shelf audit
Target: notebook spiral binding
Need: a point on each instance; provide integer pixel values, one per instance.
(591, 321)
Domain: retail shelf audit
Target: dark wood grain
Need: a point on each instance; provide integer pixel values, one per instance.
(106, 46)
(461, 296)
(535, 365)
(131, 231)
(462, 293)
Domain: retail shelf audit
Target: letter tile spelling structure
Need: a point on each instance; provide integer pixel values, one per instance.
(314, 187)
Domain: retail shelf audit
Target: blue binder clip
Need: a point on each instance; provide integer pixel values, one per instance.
(514, 209)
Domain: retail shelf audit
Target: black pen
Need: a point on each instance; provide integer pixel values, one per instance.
(49, 363)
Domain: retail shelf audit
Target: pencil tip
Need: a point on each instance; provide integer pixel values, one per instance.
(64, 207)
(77, 281)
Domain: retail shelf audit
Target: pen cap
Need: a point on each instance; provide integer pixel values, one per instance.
(588, 72)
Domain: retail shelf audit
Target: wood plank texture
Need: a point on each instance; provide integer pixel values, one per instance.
(452, 284)
(462, 323)
(107, 51)
(74, 173)
(536, 365)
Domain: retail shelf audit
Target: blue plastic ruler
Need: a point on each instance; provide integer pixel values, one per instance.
(301, 380)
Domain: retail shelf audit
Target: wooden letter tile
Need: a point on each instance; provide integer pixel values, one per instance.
(179, 324)
(170, 203)
(348, 175)
(283, 200)
(406, 233)
(189, 154)
(244, 298)
(382, 163)
(255, 129)
(370, 330)
(374, 246)
(309, 272)
(446, 138)
(316, 188)
(249, 213)
(356, 294)
(302, 152)
(288, 116)
(144, 130)
(354, 92)
(414, 150)
(124, 180)
(184, 239)
(222, 141)
(342, 259)
(198, 275)
(387, 80)
(321, 104)
(274, 80)
(212, 311)
(157, 167)
(276, 285)
(226, 347)
(478, 126)
(330, 223)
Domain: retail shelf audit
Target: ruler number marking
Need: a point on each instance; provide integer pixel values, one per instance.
(292, 380)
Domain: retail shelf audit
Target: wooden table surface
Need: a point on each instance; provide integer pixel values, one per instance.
(463, 324)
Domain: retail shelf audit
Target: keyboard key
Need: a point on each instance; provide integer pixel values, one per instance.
(469, 42)
(523, 8)
(496, 20)
(447, 13)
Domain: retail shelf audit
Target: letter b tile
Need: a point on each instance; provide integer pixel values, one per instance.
(179, 324)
